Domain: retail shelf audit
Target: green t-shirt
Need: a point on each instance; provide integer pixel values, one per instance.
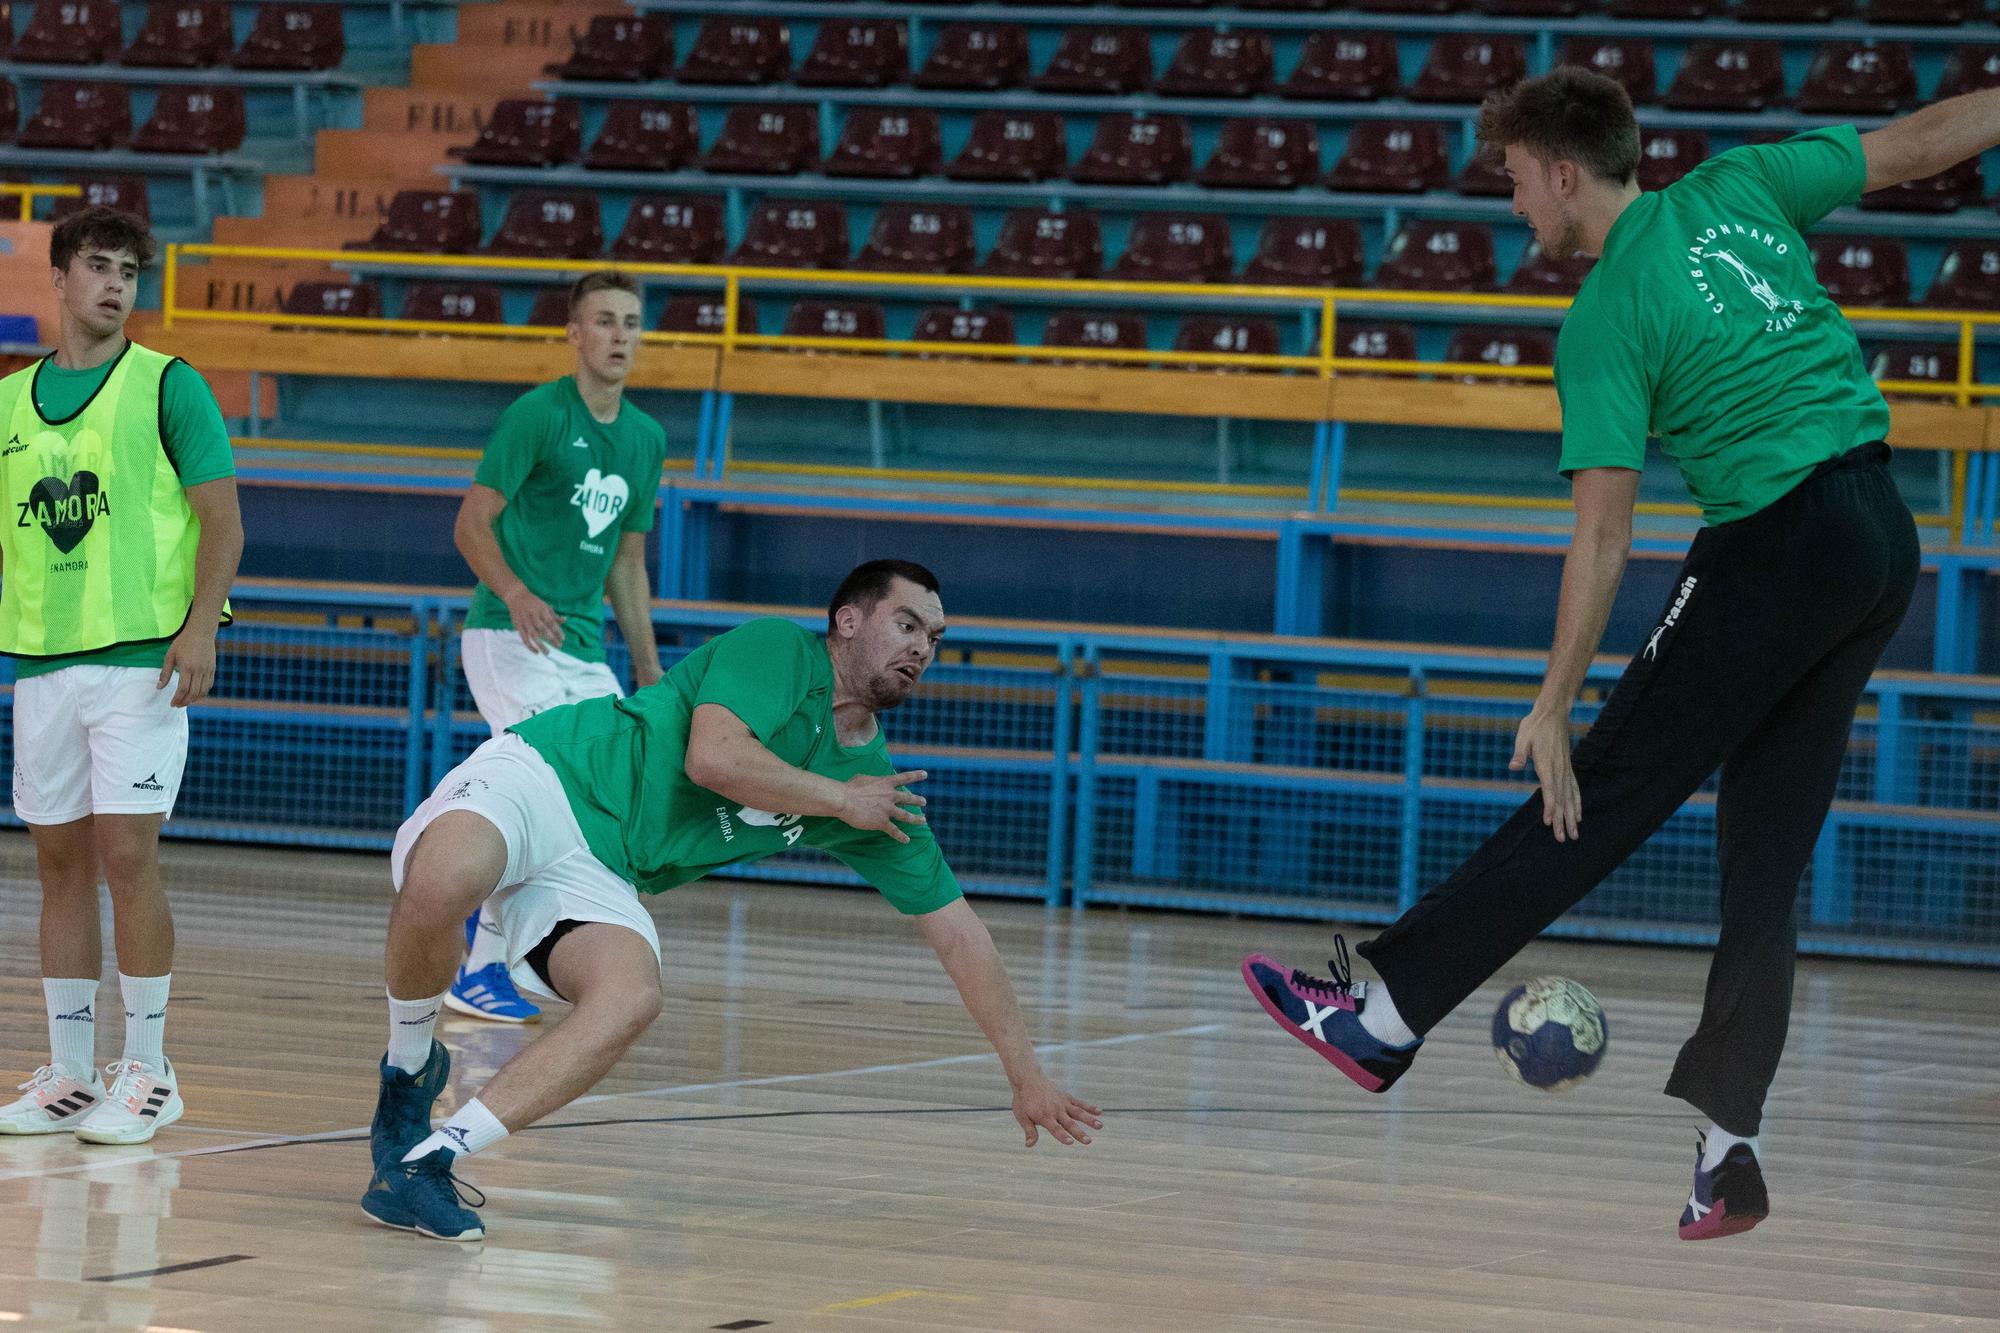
(196, 441)
(622, 761)
(1702, 323)
(573, 485)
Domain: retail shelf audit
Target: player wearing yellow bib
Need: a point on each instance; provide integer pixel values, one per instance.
(121, 541)
(761, 739)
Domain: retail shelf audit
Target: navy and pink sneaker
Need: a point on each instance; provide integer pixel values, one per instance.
(1326, 1015)
(1728, 1200)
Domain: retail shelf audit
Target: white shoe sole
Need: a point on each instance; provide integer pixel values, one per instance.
(470, 1010)
(428, 1235)
(130, 1136)
(65, 1126)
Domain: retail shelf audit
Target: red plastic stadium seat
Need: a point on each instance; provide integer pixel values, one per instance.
(1862, 270)
(1135, 150)
(1629, 60)
(620, 48)
(765, 141)
(1123, 330)
(1263, 154)
(976, 57)
(1099, 60)
(1500, 345)
(1859, 78)
(550, 310)
(834, 319)
(1485, 174)
(672, 229)
(1345, 67)
(886, 143)
(1307, 252)
(348, 300)
(1177, 247)
(1404, 157)
(523, 132)
(1968, 70)
(10, 109)
(1465, 67)
(870, 53)
(644, 136)
(1038, 244)
(1951, 189)
(453, 302)
(178, 34)
(550, 224)
(429, 222)
(1968, 278)
(1012, 146)
(1374, 340)
(1544, 275)
(740, 51)
(795, 233)
(694, 312)
(1667, 155)
(919, 238)
(193, 120)
(1665, 9)
(294, 37)
(1218, 64)
(1237, 334)
(949, 324)
(1429, 255)
(1924, 363)
(70, 32)
(127, 194)
(1728, 76)
(79, 115)
(1921, 11)
(1792, 11)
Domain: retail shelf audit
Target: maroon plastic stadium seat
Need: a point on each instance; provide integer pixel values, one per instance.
(1629, 60)
(1099, 60)
(1921, 11)
(765, 141)
(193, 120)
(886, 143)
(694, 312)
(1432, 255)
(1665, 9)
(453, 302)
(1500, 345)
(1012, 146)
(79, 115)
(1485, 174)
(1122, 330)
(429, 222)
(1968, 278)
(550, 224)
(1951, 189)
(919, 238)
(870, 53)
(949, 324)
(1177, 247)
(1968, 70)
(1862, 270)
(1374, 340)
(1263, 154)
(627, 48)
(349, 300)
(70, 32)
(834, 319)
(738, 51)
(1038, 244)
(1544, 275)
(1465, 67)
(644, 136)
(795, 233)
(294, 37)
(550, 310)
(181, 35)
(1792, 11)
(1667, 155)
(1218, 64)
(10, 109)
(1135, 150)
(524, 132)
(1391, 156)
(1924, 363)
(1345, 67)
(1307, 252)
(127, 194)
(672, 229)
(1236, 334)
(976, 57)
(1860, 78)
(1728, 76)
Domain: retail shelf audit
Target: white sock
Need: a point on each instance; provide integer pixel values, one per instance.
(145, 1017)
(489, 943)
(72, 1024)
(411, 1023)
(470, 1128)
(1380, 1019)
(1718, 1141)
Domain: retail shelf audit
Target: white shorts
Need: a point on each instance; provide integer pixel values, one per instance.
(551, 875)
(97, 740)
(511, 682)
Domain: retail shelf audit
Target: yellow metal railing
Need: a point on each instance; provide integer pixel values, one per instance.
(27, 194)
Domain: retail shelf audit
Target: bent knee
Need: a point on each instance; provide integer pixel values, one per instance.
(455, 865)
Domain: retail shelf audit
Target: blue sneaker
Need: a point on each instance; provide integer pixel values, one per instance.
(425, 1197)
(1728, 1200)
(403, 1106)
(1325, 1015)
(472, 927)
(490, 993)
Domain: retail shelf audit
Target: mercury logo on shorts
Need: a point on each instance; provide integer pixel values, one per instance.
(464, 789)
(152, 783)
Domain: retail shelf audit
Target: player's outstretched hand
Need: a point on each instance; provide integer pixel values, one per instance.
(1039, 1104)
(535, 621)
(192, 654)
(880, 803)
(1543, 740)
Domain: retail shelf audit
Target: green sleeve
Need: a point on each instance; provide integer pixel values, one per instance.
(1811, 174)
(912, 875)
(639, 513)
(761, 671)
(516, 445)
(191, 427)
(1601, 381)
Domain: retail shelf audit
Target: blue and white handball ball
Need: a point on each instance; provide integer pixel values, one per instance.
(1549, 1034)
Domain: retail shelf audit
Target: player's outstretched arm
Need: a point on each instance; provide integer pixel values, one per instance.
(631, 595)
(726, 757)
(1926, 142)
(965, 948)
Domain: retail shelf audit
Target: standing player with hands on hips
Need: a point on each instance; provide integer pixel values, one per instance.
(1702, 323)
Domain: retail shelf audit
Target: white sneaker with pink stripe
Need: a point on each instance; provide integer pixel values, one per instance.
(142, 1101)
(56, 1103)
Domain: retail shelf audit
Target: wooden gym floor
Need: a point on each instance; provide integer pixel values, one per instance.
(812, 1137)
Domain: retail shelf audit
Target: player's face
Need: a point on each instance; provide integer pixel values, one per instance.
(894, 643)
(1538, 197)
(98, 289)
(605, 332)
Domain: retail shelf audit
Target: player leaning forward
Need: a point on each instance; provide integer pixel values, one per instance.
(559, 825)
(1701, 323)
(118, 554)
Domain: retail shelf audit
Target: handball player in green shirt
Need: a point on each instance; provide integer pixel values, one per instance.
(1701, 324)
(764, 738)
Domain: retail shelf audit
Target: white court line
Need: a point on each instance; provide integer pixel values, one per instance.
(271, 1140)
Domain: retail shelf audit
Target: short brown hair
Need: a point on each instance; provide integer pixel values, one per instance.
(602, 280)
(866, 585)
(1569, 113)
(99, 228)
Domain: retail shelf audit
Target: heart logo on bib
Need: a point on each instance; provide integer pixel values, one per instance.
(66, 510)
(602, 499)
